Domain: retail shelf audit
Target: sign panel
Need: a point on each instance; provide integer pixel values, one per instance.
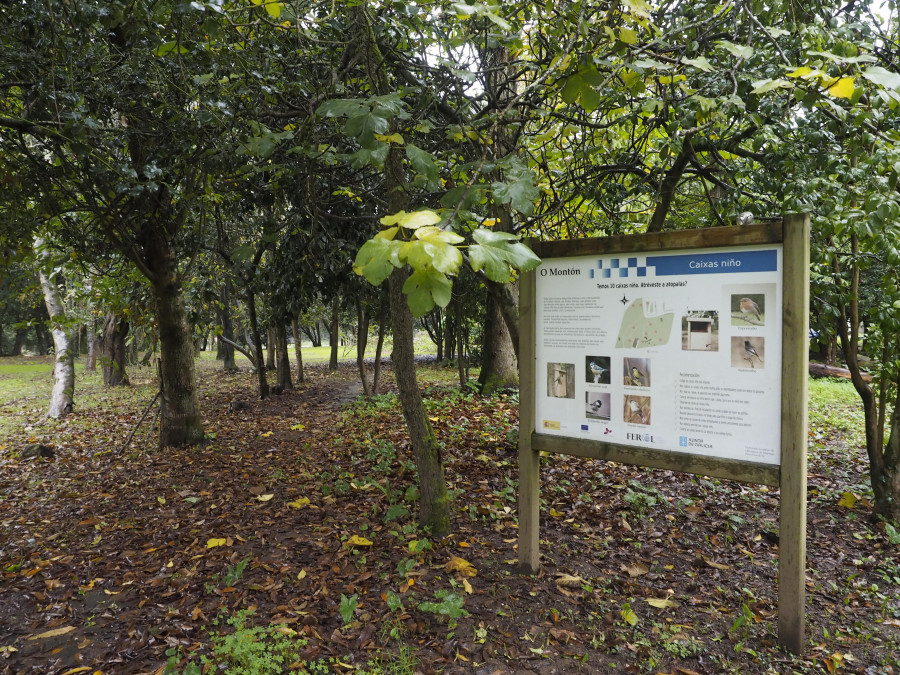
(675, 351)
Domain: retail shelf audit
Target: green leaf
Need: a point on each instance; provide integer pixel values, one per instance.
(628, 36)
(628, 615)
(519, 191)
(422, 162)
(339, 107)
(763, 86)
(376, 259)
(168, 48)
(274, 9)
(700, 62)
(421, 255)
(412, 221)
(740, 51)
(426, 288)
(496, 252)
(436, 234)
(881, 77)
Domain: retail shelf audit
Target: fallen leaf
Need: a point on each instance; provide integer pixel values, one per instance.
(556, 514)
(688, 671)
(356, 540)
(53, 633)
(267, 434)
(848, 500)
(301, 575)
(662, 603)
(467, 587)
(636, 569)
(298, 427)
(464, 567)
(628, 616)
(299, 503)
(569, 581)
(8, 650)
(161, 500)
(79, 669)
(718, 566)
(216, 541)
(265, 498)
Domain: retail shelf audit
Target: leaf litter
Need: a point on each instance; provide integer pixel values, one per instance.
(110, 560)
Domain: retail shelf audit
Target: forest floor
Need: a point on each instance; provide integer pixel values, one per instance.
(290, 541)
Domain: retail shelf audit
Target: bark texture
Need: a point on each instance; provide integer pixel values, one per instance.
(114, 354)
(298, 350)
(283, 359)
(61, 397)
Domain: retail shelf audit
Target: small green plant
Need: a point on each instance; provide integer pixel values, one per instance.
(348, 607)
(234, 572)
(642, 498)
(448, 604)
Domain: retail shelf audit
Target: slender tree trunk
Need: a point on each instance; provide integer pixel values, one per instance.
(90, 364)
(263, 384)
(362, 337)
(61, 400)
(19, 342)
(434, 504)
(298, 349)
(283, 359)
(461, 364)
(112, 344)
(335, 332)
(382, 320)
(499, 368)
(271, 348)
(228, 362)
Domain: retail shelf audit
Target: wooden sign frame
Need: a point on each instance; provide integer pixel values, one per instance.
(789, 475)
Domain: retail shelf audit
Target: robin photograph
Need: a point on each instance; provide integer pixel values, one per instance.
(748, 309)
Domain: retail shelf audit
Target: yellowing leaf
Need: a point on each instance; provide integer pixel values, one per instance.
(79, 669)
(273, 9)
(467, 586)
(848, 500)
(569, 581)
(628, 616)
(662, 603)
(718, 566)
(266, 434)
(298, 427)
(464, 567)
(161, 500)
(628, 36)
(8, 649)
(843, 88)
(802, 71)
(53, 633)
(390, 138)
(556, 514)
(301, 575)
(299, 503)
(212, 543)
(488, 222)
(356, 540)
(265, 498)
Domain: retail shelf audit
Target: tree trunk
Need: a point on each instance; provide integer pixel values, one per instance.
(228, 362)
(283, 359)
(90, 363)
(461, 364)
(256, 339)
(44, 342)
(382, 320)
(434, 505)
(180, 420)
(61, 400)
(271, 348)
(335, 332)
(362, 337)
(112, 345)
(19, 342)
(298, 350)
(499, 368)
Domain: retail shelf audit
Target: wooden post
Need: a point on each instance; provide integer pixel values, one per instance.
(529, 458)
(795, 358)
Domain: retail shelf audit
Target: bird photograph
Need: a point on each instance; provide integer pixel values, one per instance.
(597, 369)
(747, 352)
(637, 409)
(597, 405)
(637, 372)
(748, 309)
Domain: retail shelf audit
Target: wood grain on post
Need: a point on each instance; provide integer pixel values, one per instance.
(529, 459)
(795, 358)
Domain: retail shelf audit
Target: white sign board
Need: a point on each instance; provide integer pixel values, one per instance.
(675, 351)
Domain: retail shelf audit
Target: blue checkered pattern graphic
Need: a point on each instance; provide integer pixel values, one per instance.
(620, 268)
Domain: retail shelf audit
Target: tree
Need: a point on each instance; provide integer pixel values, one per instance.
(61, 398)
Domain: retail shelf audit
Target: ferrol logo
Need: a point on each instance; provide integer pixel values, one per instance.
(560, 272)
(642, 438)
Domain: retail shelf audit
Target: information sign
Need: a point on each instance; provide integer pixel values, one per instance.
(677, 351)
